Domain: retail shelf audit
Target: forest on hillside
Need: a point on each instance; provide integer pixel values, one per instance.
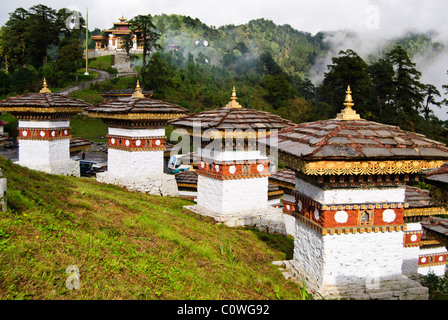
(270, 65)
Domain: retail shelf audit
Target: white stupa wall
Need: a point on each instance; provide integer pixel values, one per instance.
(410, 254)
(138, 170)
(138, 164)
(350, 195)
(36, 152)
(50, 156)
(137, 133)
(232, 196)
(438, 270)
(347, 259)
(213, 155)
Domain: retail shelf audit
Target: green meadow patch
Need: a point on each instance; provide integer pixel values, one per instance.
(126, 246)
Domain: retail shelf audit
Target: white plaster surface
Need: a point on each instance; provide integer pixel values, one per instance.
(66, 168)
(230, 196)
(134, 164)
(161, 184)
(438, 270)
(232, 155)
(347, 258)
(290, 224)
(350, 195)
(43, 124)
(137, 133)
(413, 226)
(42, 152)
(3, 193)
(410, 260)
(269, 219)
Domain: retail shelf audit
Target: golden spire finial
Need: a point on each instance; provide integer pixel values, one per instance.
(45, 88)
(233, 103)
(348, 113)
(138, 91)
(348, 99)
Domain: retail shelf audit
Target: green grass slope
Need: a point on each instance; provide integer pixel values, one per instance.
(126, 246)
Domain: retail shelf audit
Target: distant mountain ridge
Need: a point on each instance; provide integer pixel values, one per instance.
(294, 51)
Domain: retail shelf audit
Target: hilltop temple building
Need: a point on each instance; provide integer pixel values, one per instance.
(114, 38)
(349, 205)
(136, 142)
(44, 130)
(232, 184)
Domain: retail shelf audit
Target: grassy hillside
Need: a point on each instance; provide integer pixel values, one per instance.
(126, 246)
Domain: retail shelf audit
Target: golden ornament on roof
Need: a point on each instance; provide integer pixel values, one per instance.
(138, 91)
(45, 88)
(233, 103)
(348, 113)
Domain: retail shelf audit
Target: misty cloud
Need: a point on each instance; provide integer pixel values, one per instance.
(366, 24)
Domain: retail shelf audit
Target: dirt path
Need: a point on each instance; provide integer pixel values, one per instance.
(102, 76)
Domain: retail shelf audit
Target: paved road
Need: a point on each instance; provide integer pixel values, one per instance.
(102, 76)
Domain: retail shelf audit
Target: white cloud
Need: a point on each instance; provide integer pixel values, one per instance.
(373, 20)
(305, 15)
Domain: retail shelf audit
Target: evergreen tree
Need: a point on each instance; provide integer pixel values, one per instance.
(408, 96)
(347, 69)
(14, 38)
(430, 92)
(42, 32)
(445, 86)
(382, 73)
(147, 36)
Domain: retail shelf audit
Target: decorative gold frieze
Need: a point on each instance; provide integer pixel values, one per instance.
(320, 168)
(429, 211)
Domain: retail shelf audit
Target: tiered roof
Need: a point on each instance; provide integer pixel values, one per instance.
(350, 145)
(42, 105)
(136, 108)
(114, 94)
(232, 117)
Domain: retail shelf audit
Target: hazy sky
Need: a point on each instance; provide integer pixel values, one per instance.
(389, 16)
(372, 19)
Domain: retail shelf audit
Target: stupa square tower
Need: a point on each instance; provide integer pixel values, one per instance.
(136, 141)
(350, 186)
(44, 130)
(232, 171)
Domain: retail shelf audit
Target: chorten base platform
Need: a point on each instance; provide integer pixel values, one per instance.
(398, 287)
(66, 168)
(269, 220)
(161, 185)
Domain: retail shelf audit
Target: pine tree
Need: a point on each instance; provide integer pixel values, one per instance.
(147, 36)
(381, 73)
(430, 92)
(347, 69)
(408, 96)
